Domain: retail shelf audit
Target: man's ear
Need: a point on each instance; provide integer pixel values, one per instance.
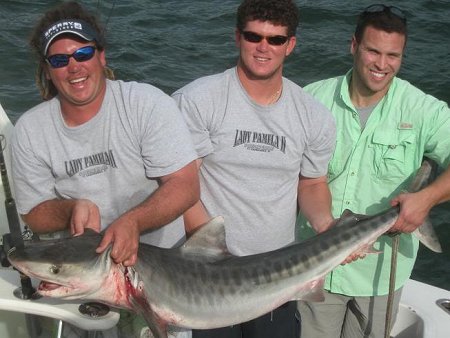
(291, 45)
(237, 38)
(353, 45)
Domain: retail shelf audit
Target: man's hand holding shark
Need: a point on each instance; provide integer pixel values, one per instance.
(415, 207)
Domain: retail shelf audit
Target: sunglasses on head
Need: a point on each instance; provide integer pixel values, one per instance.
(275, 40)
(80, 55)
(378, 8)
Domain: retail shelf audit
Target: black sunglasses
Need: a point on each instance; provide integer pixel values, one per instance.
(275, 40)
(378, 8)
(80, 55)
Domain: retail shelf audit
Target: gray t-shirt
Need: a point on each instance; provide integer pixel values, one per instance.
(112, 160)
(253, 156)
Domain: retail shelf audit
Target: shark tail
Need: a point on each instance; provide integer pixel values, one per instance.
(425, 233)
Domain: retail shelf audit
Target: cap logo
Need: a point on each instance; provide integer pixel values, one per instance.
(63, 26)
(70, 26)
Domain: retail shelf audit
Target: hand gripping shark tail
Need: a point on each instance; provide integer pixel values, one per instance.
(425, 233)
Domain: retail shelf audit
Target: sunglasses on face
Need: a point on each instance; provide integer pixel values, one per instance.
(378, 8)
(275, 40)
(80, 55)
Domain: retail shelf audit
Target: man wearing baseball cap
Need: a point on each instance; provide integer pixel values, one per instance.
(71, 26)
(104, 154)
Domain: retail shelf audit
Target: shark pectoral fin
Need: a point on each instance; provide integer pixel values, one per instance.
(208, 242)
(157, 326)
(427, 236)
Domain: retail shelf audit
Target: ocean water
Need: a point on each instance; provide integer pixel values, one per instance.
(169, 43)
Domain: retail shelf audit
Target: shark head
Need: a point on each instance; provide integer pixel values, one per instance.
(70, 268)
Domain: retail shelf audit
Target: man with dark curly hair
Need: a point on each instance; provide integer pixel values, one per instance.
(263, 146)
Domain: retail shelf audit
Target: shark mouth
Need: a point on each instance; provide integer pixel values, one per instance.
(47, 286)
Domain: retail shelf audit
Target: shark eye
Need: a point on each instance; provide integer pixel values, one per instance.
(54, 269)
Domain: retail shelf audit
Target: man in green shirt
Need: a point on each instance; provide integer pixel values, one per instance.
(385, 126)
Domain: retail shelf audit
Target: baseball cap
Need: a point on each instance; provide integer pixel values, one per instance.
(67, 26)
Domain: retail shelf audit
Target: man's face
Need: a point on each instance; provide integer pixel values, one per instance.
(80, 82)
(377, 59)
(262, 60)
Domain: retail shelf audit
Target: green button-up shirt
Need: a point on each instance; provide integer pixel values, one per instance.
(371, 166)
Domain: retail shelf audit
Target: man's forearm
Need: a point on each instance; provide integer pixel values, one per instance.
(175, 195)
(314, 199)
(194, 217)
(49, 216)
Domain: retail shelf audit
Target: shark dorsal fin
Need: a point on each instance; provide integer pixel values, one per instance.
(349, 216)
(208, 240)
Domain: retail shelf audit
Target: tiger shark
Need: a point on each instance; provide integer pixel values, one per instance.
(200, 285)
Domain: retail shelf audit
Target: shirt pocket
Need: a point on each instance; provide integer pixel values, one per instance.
(393, 153)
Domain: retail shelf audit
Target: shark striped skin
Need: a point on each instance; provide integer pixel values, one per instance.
(199, 285)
